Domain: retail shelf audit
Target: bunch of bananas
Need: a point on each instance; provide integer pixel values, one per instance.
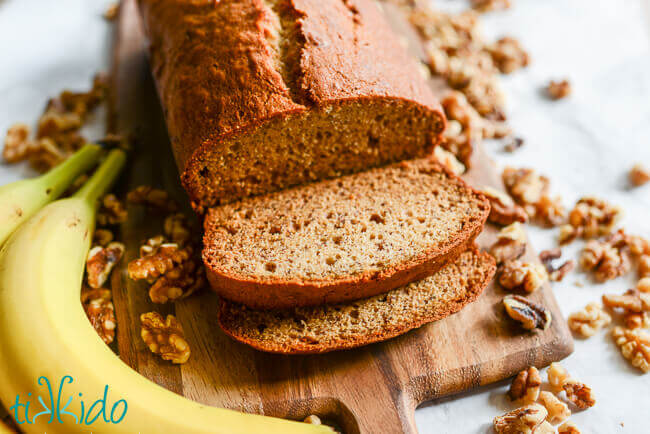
(56, 374)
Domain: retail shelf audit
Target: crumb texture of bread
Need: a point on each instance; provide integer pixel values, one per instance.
(260, 95)
(341, 326)
(341, 239)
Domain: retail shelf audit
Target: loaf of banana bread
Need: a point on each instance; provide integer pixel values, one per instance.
(260, 95)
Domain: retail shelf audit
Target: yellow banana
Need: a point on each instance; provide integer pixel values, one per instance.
(21, 199)
(51, 360)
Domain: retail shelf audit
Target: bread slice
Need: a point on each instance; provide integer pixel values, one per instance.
(341, 326)
(343, 239)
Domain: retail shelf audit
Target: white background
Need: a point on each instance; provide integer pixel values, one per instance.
(585, 144)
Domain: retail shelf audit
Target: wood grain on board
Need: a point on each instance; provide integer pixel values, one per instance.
(369, 390)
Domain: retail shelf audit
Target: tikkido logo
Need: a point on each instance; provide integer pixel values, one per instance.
(23, 412)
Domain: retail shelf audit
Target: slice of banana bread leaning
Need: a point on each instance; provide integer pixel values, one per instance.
(262, 95)
(342, 239)
(341, 326)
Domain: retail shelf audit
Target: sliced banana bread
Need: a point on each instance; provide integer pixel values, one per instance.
(335, 327)
(262, 95)
(343, 239)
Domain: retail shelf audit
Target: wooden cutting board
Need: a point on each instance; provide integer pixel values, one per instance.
(370, 390)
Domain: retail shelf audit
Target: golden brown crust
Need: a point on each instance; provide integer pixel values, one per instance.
(478, 274)
(275, 292)
(225, 68)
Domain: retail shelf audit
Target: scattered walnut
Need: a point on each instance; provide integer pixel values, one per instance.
(156, 198)
(557, 410)
(111, 12)
(568, 234)
(100, 312)
(449, 160)
(151, 245)
(555, 274)
(592, 217)
(639, 175)
(508, 55)
(579, 393)
(643, 285)
(177, 228)
(159, 262)
(164, 337)
(524, 420)
(179, 282)
(531, 191)
(313, 420)
(631, 300)
(530, 315)
(644, 266)
(526, 385)
(607, 261)
(504, 210)
(111, 211)
(102, 237)
(514, 144)
(510, 243)
(568, 427)
(17, 143)
(101, 261)
(558, 89)
(636, 320)
(526, 276)
(46, 154)
(557, 375)
(638, 245)
(634, 345)
(490, 5)
(588, 321)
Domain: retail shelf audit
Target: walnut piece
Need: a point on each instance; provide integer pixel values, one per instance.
(589, 320)
(545, 428)
(152, 197)
(557, 375)
(643, 285)
(111, 11)
(514, 144)
(524, 420)
(631, 300)
(100, 312)
(526, 386)
(644, 266)
(555, 274)
(102, 237)
(101, 261)
(606, 260)
(531, 191)
(592, 217)
(490, 5)
(158, 262)
(557, 410)
(638, 245)
(111, 211)
(179, 282)
(448, 160)
(508, 55)
(639, 175)
(17, 143)
(177, 228)
(510, 243)
(579, 393)
(558, 89)
(634, 345)
(636, 320)
(530, 315)
(152, 245)
(568, 427)
(526, 276)
(503, 210)
(313, 420)
(164, 337)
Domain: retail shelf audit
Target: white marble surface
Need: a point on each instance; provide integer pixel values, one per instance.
(585, 144)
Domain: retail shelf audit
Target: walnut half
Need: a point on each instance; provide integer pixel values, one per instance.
(164, 337)
(634, 345)
(503, 210)
(526, 385)
(589, 320)
(526, 276)
(524, 420)
(101, 261)
(579, 393)
(530, 315)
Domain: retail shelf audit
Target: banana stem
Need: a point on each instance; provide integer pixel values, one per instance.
(103, 178)
(59, 178)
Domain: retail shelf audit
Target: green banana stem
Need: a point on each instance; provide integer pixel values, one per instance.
(59, 178)
(103, 178)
